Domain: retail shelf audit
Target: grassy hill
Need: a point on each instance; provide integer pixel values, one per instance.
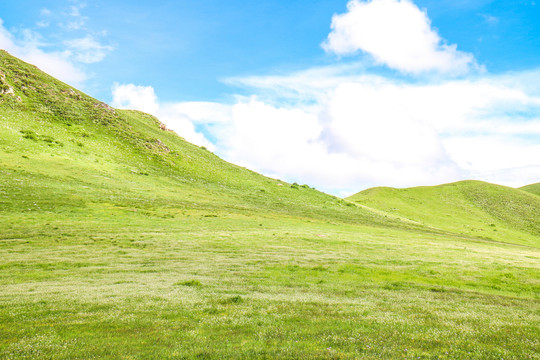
(56, 140)
(471, 208)
(533, 188)
(118, 239)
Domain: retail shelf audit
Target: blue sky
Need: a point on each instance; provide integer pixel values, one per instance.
(342, 95)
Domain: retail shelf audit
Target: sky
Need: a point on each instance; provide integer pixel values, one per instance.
(340, 95)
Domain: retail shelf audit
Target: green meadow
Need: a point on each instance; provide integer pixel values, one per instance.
(120, 240)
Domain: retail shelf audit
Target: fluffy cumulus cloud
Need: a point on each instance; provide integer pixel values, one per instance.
(368, 131)
(129, 96)
(395, 33)
(337, 146)
(271, 139)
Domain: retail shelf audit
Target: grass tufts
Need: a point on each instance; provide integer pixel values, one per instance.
(193, 283)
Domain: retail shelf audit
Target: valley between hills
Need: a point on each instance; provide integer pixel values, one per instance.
(120, 240)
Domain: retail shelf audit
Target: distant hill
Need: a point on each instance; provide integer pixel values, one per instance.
(533, 188)
(470, 208)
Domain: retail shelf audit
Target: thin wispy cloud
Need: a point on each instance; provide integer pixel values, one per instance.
(490, 19)
(88, 50)
(56, 63)
(63, 55)
(45, 12)
(76, 20)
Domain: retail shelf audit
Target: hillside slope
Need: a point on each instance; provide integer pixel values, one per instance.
(471, 208)
(62, 148)
(533, 188)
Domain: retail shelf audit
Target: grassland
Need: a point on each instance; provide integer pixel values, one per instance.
(120, 240)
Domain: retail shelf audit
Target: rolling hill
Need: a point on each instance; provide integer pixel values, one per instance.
(533, 188)
(470, 208)
(119, 239)
(64, 148)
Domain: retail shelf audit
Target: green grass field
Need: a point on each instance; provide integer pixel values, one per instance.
(119, 240)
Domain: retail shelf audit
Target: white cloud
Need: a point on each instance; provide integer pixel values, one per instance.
(333, 148)
(490, 19)
(276, 139)
(203, 112)
(343, 133)
(135, 97)
(55, 63)
(395, 33)
(374, 121)
(77, 20)
(44, 13)
(75, 11)
(493, 153)
(42, 24)
(63, 60)
(88, 50)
